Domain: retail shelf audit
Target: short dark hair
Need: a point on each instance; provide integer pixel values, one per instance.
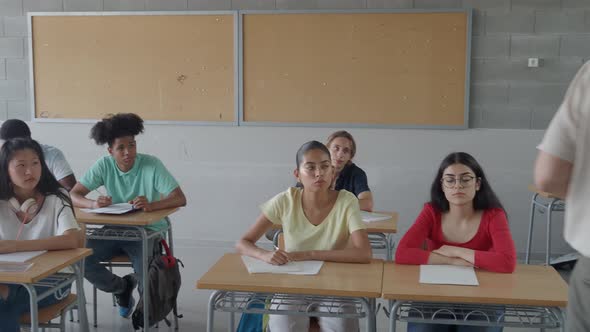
(14, 128)
(484, 199)
(308, 146)
(47, 185)
(108, 129)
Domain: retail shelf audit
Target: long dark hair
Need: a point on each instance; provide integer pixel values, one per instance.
(47, 185)
(484, 199)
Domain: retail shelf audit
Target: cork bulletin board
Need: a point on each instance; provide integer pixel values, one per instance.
(164, 67)
(398, 69)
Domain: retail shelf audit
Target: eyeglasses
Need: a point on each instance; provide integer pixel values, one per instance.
(465, 181)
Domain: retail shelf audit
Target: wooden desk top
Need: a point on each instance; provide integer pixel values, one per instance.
(334, 279)
(45, 265)
(385, 226)
(138, 218)
(534, 189)
(533, 285)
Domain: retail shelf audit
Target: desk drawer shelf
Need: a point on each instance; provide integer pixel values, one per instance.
(478, 315)
(287, 304)
(111, 233)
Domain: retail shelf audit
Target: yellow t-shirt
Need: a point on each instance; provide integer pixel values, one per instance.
(300, 235)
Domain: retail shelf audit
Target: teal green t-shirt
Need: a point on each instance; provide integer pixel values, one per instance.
(148, 178)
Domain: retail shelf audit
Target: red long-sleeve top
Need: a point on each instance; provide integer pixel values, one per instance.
(493, 244)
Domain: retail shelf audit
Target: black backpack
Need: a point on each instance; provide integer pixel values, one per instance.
(163, 287)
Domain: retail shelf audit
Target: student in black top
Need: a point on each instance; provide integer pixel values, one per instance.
(348, 176)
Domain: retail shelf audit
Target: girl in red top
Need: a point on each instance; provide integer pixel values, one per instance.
(463, 224)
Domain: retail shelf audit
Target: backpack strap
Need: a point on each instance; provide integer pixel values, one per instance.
(168, 259)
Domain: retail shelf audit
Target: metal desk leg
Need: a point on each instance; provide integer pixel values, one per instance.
(389, 248)
(563, 320)
(548, 247)
(144, 277)
(232, 317)
(34, 307)
(171, 245)
(82, 314)
(530, 235)
(211, 309)
(393, 316)
(372, 315)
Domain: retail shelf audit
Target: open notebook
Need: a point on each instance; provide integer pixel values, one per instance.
(254, 265)
(119, 208)
(448, 275)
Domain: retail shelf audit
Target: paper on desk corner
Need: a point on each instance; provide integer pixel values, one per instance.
(20, 256)
(374, 217)
(448, 275)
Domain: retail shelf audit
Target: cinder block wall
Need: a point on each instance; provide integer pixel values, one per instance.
(505, 93)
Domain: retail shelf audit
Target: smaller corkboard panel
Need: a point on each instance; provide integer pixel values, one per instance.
(406, 69)
(162, 67)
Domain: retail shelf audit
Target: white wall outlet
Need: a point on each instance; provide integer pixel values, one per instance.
(533, 62)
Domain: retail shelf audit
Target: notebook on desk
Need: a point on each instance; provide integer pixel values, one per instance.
(20, 257)
(254, 265)
(18, 261)
(374, 217)
(119, 208)
(448, 275)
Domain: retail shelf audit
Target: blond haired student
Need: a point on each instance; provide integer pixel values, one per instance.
(347, 174)
(318, 223)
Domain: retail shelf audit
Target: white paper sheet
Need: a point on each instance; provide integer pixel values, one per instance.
(20, 257)
(119, 208)
(15, 267)
(254, 265)
(372, 216)
(448, 275)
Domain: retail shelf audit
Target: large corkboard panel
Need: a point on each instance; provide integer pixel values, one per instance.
(405, 69)
(163, 67)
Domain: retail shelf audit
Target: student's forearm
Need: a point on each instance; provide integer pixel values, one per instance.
(81, 201)
(366, 201)
(170, 202)
(175, 199)
(366, 204)
(248, 248)
(60, 242)
(349, 255)
(68, 182)
(466, 254)
(437, 259)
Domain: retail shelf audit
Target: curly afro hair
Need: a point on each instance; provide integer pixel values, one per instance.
(108, 129)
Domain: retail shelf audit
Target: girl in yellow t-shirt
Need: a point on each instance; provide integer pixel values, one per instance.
(318, 223)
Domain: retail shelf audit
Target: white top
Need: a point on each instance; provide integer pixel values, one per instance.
(568, 138)
(56, 162)
(54, 219)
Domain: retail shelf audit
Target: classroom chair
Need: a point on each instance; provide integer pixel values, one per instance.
(117, 261)
(49, 313)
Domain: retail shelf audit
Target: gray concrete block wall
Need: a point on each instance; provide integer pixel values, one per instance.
(505, 93)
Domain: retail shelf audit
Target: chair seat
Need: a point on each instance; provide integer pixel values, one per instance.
(50, 312)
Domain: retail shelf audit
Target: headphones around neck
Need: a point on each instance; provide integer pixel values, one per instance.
(29, 206)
